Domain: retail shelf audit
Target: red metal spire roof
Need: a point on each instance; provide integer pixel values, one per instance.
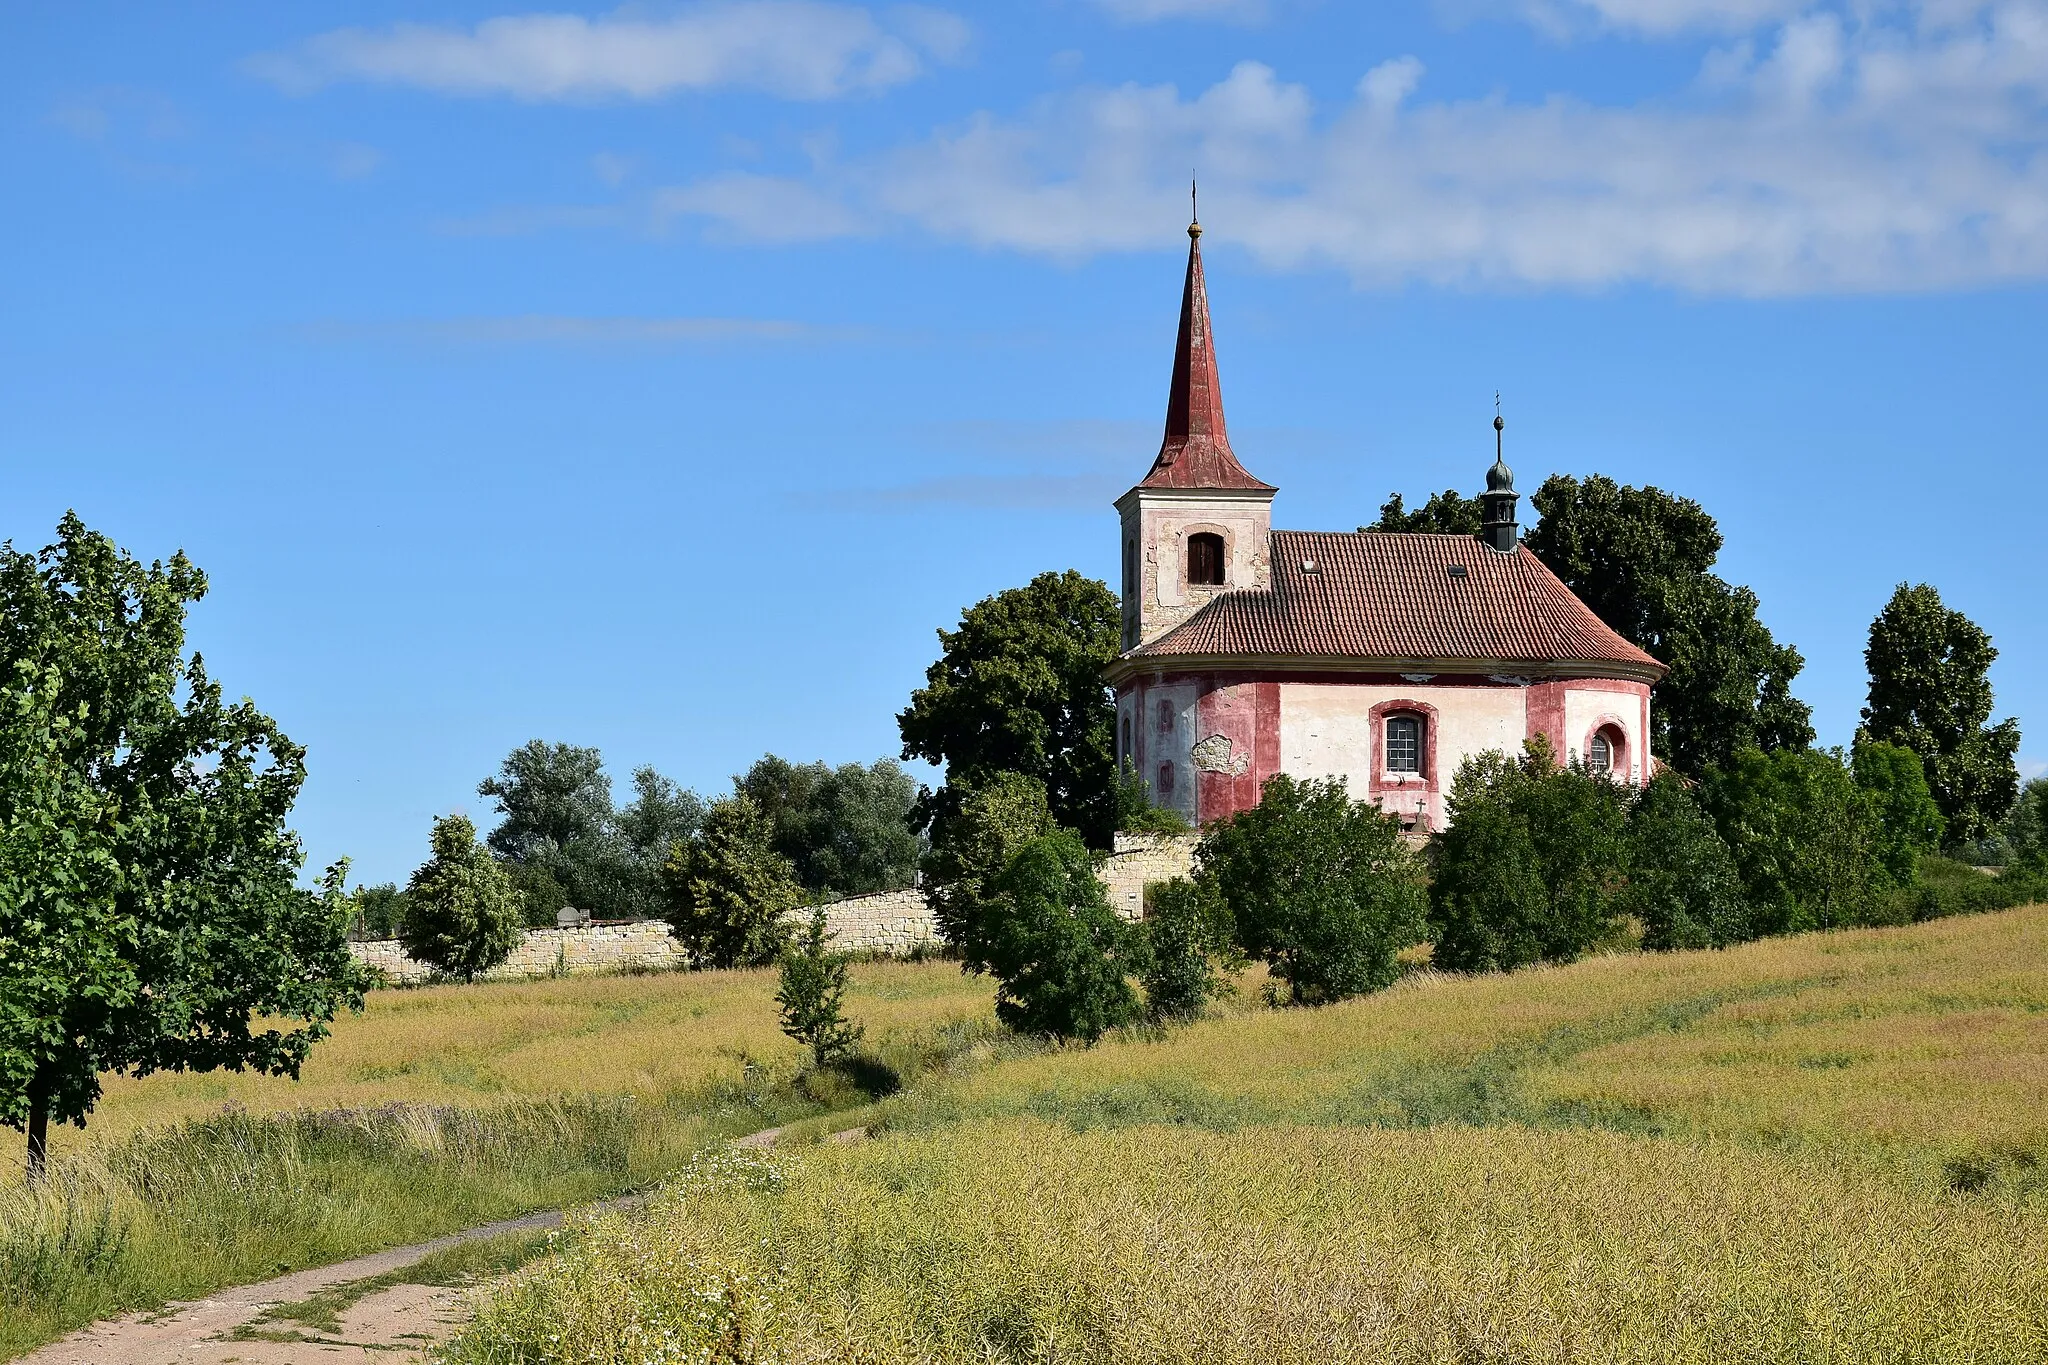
(1196, 452)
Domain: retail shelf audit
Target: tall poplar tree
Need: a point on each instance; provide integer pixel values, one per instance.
(1930, 691)
(150, 912)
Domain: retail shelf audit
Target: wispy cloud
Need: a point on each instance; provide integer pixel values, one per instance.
(1150, 11)
(554, 329)
(1653, 17)
(1832, 156)
(797, 49)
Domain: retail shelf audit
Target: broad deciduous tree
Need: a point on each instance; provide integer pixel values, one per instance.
(1930, 691)
(1447, 513)
(1062, 958)
(847, 830)
(1018, 688)
(1642, 559)
(150, 916)
(1683, 887)
(988, 819)
(1808, 842)
(1320, 886)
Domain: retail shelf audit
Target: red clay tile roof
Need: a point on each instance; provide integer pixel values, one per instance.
(1390, 596)
(1196, 452)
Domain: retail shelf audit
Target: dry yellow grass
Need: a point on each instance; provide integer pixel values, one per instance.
(1929, 1041)
(581, 1035)
(1020, 1241)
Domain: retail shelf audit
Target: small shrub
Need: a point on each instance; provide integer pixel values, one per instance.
(1320, 886)
(1682, 883)
(1530, 869)
(1062, 955)
(1187, 927)
(1946, 887)
(1136, 812)
(813, 996)
(728, 888)
(462, 916)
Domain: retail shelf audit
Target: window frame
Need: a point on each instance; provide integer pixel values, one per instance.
(1208, 542)
(1414, 742)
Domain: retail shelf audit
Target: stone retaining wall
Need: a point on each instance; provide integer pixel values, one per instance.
(890, 923)
(543, 952)
(1143, 858)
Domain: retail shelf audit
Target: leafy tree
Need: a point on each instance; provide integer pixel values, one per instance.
(847, 830)
(376, 911)
(1321, 887)
(728, 888)
(2025, 827)
(1908, 822)
(1531, 865)
(1682, 882)
(550, 795)
(660, 814)
(1018, 688)
(1641, 558)
(462, 916)
(1062, 958)
(541, 897)
(990, 818)
(1930, 691)
(150, 917)
(1188, 929)
(1449, 513)
(813, 996)
(1806, 839)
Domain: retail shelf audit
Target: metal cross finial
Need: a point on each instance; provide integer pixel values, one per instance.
(1194, 208)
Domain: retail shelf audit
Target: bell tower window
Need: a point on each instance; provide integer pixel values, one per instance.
(1205, 558)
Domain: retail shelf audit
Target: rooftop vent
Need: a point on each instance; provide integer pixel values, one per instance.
(1457, 571)
(1309, 566)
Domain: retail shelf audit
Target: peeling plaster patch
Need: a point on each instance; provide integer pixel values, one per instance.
(1214, 755)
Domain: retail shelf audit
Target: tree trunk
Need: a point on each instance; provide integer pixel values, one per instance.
(38, 1132)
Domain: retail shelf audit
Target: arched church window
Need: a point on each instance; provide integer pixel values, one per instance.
(1163, 789)
(1205, 558)
(1404, 744)
(1601, 751)
(1124, 752)
(1165, 717)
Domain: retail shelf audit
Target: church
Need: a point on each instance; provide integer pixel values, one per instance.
(1384, 658)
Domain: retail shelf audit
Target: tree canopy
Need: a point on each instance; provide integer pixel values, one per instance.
(1930, 692)
(847, 830)
(462, 915)
(1642, 559)
(150, 916)
(1448, 513)
(728, 888)
(1018, 688)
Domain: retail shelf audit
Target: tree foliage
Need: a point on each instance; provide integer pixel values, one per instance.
(1447, 513)
(728, 889)
(1682, 883)
(1808, 842)
(847, 830)
(1930, 691)
(462, 915)
(1531, 865)
(989, 819)
(150, 917)
(1320, 886)
(1062, 958)
(1188, 932)
(375, 912)
(1018, 688)
(1642, 559)
(568, 843)
(1909, 823)
(813, 996)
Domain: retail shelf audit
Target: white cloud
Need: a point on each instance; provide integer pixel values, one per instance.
(798, 49)
(1830, 157)
(1657, 17)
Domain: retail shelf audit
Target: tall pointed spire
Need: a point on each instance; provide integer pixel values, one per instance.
(1196, 452)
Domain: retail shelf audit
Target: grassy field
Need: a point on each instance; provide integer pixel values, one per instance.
(434, 1110)
(1827, 1148)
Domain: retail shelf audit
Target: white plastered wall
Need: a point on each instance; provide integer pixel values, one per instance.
(1326, 729)
(1586, 707)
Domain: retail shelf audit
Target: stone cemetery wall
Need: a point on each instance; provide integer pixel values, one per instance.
(892, 923)
(1142, 858)
(542, 952)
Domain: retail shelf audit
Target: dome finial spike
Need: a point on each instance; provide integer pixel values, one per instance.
(1194, 208)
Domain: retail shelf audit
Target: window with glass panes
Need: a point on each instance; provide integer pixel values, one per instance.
(1404, 744)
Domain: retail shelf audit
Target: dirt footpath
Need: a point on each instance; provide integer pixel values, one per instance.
(392, 1324)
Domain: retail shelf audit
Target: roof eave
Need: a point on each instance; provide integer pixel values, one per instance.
(1135, 662)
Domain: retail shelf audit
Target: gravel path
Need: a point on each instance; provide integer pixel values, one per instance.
(388, 1327)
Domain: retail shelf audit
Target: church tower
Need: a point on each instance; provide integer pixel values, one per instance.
(1198, 524)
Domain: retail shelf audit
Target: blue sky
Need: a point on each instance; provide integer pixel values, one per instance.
(660, 378)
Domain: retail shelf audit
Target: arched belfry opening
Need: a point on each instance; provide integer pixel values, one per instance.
(1205, 559)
